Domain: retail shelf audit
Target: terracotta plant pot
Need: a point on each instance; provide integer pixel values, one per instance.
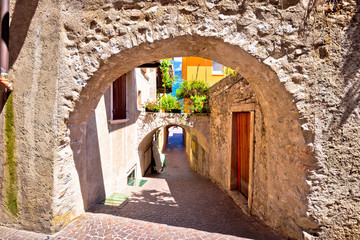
(187, 105)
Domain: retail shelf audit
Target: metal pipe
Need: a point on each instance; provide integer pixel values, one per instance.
(4, 45)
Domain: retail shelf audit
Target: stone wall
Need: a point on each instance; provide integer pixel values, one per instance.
(230, 95)
(2, 139)
(300, 61)
(197, 150)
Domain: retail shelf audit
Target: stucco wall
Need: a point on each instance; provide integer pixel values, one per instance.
(112, 147)
(147, 85)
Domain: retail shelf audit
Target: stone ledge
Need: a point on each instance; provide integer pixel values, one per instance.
(239, 200)
(118, 121)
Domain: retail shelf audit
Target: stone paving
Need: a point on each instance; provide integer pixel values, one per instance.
(176, 204)
(14, 234)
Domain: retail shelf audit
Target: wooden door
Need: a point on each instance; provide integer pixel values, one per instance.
(243, 151)
(119, 98)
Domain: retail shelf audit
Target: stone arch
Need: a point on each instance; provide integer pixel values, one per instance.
(101, 45)
(284, 149)
(149, 123)
(200, 131)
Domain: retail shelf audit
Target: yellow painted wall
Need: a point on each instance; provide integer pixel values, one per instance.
(201, 68)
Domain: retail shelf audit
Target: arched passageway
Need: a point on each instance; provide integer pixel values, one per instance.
(180, 197)
(279, 150)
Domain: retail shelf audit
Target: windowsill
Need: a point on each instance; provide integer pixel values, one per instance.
(118, 121)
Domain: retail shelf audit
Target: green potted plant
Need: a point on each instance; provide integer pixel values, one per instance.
(170, 104)
(176, 108)
(189, 89)
(151, 106)
(200, 104)
(198, 87)
(184, 93)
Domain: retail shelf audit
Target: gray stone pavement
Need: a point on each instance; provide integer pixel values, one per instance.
(176, 204)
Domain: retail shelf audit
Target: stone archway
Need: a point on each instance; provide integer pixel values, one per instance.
(99, 42)
(149, 123)
(282, 150)
(193, 126)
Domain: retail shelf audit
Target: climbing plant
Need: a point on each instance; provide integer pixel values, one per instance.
(167, 79)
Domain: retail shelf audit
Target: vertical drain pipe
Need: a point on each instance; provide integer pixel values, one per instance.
(4, 45)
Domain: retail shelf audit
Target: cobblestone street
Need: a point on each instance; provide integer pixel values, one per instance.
(176, 204)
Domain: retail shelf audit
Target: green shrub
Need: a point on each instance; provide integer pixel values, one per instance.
(169, 103)
(165, 70)
(200, 104)
(191, 88)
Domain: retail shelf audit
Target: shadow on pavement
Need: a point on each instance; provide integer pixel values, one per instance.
(187, 200)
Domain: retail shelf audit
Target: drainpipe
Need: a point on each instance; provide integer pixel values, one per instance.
(4, 45)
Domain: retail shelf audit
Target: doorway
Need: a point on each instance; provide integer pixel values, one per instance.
(243, 151)
(243, 119)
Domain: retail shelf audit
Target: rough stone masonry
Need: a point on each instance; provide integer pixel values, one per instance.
(299, 57)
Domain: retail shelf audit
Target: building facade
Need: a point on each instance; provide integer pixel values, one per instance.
(197, 68)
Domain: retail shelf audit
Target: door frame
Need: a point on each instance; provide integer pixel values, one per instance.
(233, 181)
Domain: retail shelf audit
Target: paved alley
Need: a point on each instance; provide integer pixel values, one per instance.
(176, 204)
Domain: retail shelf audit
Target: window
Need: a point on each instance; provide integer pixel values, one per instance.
(131, 178)
(217, 68)
(118, 100)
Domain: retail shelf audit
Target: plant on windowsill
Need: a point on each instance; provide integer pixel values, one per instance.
(151, 106)
(176, 108)
(170, 104)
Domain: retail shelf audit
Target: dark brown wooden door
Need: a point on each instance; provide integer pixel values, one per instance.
(243, 151)
(119, 98)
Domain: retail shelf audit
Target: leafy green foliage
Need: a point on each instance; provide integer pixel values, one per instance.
(169, 103)
(200, 104)
(228, 71)
(165, 70)
(192, 88)
(183, 91)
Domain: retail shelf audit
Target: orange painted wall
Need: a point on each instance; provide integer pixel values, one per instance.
(200, 68)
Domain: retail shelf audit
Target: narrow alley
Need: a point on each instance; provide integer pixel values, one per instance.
(175, 204)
